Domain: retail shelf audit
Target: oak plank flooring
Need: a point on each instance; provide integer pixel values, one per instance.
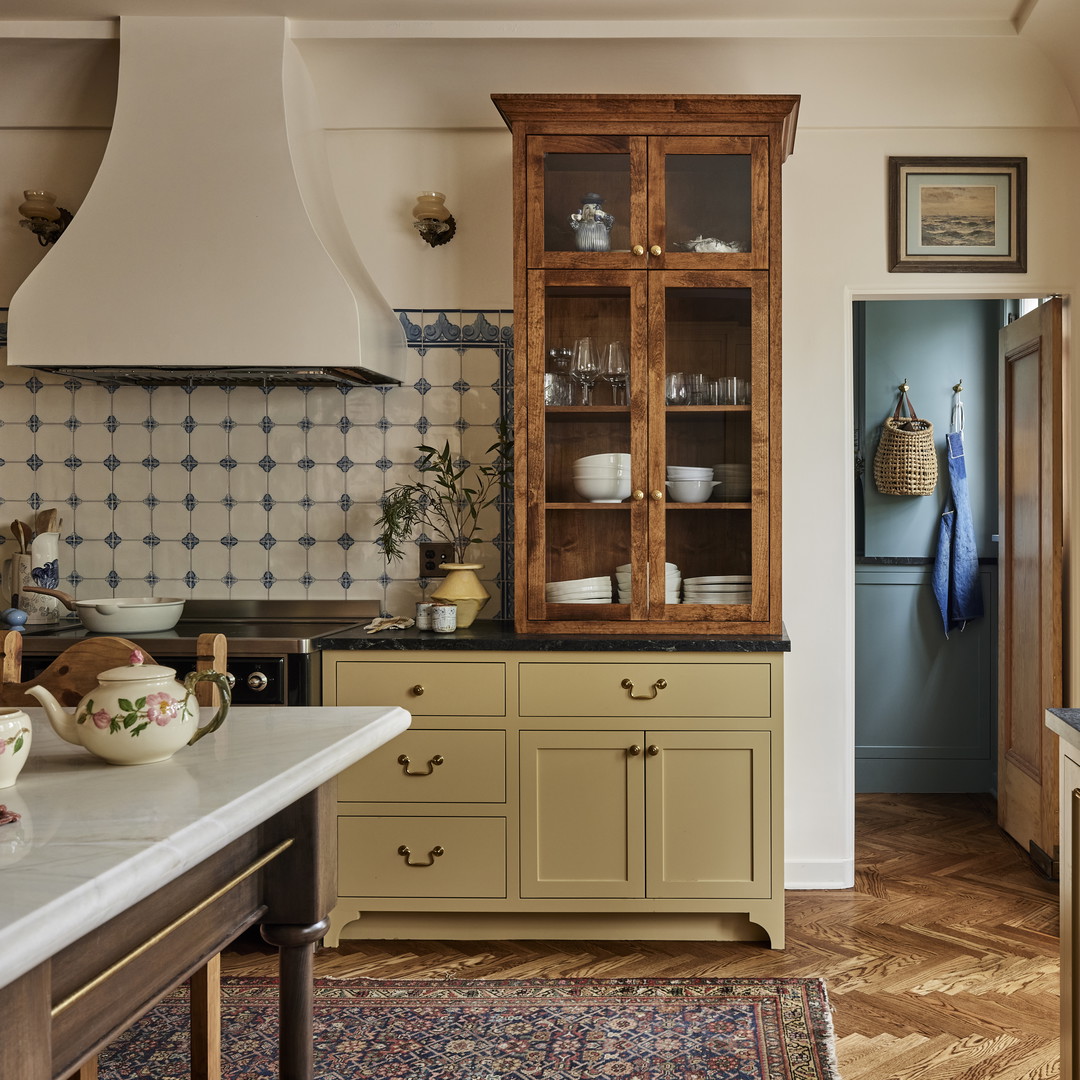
(941, 962)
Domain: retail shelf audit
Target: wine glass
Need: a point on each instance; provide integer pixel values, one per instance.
(585, 367)
(616, 371)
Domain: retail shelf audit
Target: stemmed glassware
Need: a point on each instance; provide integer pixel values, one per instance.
(585, 367)
(616, 371)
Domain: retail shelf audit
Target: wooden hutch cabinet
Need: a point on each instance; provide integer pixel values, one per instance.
(613, 766)
(651, 221)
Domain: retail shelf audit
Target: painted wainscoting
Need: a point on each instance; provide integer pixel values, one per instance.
(245, 492)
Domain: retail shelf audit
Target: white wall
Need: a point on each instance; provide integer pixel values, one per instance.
(408, 114)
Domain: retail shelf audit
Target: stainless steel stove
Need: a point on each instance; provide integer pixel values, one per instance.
(273, 644)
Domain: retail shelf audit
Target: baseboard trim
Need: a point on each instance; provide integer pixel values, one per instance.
(820, 874)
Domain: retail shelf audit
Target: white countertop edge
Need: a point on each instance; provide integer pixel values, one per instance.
(31, 940)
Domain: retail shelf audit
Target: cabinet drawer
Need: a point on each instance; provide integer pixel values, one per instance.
(589, 689)
(443, 766)
(425, 688)
(472, 860)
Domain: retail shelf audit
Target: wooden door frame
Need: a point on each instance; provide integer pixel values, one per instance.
(851, 297)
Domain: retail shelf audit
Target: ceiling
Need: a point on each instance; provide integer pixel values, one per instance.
(766, 17)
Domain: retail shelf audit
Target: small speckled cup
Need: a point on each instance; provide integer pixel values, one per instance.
(443, 617)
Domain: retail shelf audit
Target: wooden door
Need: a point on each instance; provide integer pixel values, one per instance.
(1030, 506)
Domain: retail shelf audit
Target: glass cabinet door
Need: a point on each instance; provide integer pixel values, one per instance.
(708, 203)
(585, 512)
(586, 201)
(708, 429)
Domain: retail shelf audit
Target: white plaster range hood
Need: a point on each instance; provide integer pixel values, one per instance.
(210, 247)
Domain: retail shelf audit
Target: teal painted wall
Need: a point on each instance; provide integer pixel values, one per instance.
(925, 705)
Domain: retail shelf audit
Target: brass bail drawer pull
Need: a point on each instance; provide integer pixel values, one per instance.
(432, 855)
(628, 684)
(403, 761)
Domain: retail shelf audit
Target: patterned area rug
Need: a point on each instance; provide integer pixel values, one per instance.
(558, 1029)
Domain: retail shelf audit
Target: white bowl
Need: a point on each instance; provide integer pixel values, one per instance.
(689, 472)
(603, 459)
(580, 600)
(690, 491)
(601, 470)
(603, 489)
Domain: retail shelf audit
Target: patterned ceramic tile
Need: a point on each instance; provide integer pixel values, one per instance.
(236, 491)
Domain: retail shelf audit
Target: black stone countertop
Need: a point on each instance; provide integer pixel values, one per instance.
(497, 636)
(1066, 722)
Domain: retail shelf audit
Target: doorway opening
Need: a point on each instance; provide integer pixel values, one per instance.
(946, 705)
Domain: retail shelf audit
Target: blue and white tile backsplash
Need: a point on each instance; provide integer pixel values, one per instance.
(210, 492)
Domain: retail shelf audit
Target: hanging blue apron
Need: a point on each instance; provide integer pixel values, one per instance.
(955, 578)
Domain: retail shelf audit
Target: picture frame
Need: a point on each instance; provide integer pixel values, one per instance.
(957, 215)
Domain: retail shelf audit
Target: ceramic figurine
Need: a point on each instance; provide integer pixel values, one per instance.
(592, 224)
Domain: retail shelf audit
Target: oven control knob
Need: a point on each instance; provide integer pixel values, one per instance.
(257, 681)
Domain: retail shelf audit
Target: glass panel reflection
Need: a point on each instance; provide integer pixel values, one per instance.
(708, 202)
(586, 202)
(708, 445)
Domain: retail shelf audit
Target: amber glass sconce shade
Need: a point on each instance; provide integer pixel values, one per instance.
(434, 222)
(42, 216)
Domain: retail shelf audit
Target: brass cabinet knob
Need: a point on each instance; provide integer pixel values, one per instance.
(656, 249)
(637, 249)
(637, 496)
(417, 690)
(653, 750)
(634, 750)
(656, 495)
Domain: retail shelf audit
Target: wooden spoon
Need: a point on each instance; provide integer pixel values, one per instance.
(46, 521)
(21, 531)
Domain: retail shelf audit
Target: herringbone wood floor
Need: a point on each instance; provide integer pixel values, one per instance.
(941, 963)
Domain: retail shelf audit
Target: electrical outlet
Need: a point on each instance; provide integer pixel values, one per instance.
(431, 555)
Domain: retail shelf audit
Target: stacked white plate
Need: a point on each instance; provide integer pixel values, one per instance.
(589, 590)
(735, 481)
(602, 477)
(717, 589)
(672, 582)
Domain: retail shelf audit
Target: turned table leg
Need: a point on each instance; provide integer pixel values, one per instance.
(296, 953)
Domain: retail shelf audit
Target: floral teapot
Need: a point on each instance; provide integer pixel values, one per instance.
(138, 713)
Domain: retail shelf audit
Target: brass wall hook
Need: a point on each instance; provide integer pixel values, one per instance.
(958, 387)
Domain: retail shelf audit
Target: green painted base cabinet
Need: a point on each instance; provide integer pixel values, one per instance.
(564, 795)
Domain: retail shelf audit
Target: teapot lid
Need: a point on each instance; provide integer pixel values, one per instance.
(137, 669)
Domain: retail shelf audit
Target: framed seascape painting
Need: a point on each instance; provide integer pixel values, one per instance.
(957, 215)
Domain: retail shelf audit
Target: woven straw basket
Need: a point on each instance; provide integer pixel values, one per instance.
(906, 461)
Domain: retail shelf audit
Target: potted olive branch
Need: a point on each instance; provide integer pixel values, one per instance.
(446, 502)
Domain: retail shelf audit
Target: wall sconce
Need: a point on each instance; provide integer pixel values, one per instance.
(433, 221)
(43, 217)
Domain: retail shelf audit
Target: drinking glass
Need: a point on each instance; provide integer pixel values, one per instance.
(699, 389)
(560, 359)
(585, 367)
(616, 371)
(676, 388)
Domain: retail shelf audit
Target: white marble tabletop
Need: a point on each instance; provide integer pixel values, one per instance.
(95, 838)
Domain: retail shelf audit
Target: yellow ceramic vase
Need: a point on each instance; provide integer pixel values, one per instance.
(464, 588)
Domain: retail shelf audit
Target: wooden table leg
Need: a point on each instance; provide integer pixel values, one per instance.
(205, 1012)
(296, 996)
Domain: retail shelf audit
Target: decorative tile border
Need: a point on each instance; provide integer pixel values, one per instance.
(248, 492)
